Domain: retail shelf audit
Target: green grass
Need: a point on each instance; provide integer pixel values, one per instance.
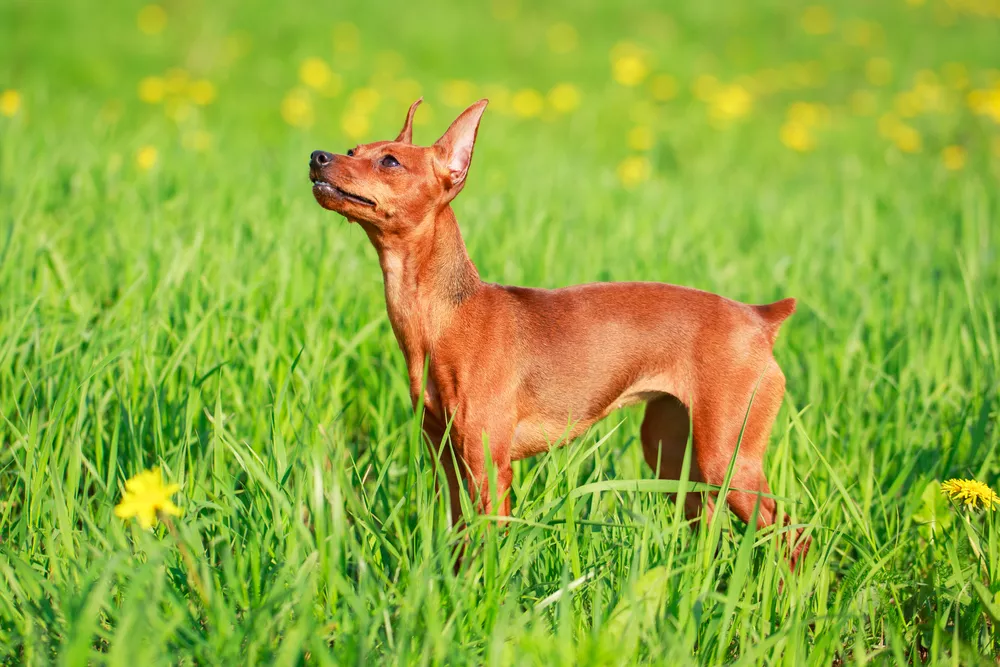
(207, 317)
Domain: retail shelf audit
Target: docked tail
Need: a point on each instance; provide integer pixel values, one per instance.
(773, 314)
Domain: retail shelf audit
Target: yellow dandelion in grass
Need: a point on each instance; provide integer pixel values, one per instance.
(10, 103)
(202, 92)
(628, 64)
(730, 103)
(152, 19)
(634, 170)
(797, 136)
(564, 98)
(562, 38)
(315, 73)
(640, 138)
(907, 139)
(985, 102)
(971, 493)
(297, 108)
(878, 71)
(663, 87)
(146, 498)
(146, 158)
(527, 103)
(152, 89)
(817, 20)
(953, 157)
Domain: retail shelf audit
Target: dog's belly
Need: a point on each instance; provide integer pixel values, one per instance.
(538, 433)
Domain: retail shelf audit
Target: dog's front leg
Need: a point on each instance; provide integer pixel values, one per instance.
(476, 440)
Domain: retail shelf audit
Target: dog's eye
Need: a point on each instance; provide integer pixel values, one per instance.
(350, 152)
(390, 161)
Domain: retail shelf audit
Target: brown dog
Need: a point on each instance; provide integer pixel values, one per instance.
(524, 368)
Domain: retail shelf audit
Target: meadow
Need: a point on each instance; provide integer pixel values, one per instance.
(172, 297)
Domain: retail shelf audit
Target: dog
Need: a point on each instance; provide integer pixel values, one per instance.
(512, 370)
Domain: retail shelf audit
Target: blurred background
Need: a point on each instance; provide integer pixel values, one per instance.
(643, 87)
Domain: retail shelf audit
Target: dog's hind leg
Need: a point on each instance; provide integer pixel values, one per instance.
(664, 433)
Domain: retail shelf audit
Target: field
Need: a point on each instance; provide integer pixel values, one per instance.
(172, 297)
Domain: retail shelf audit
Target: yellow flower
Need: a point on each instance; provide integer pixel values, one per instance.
(985, 102)
(817, 20)
(152, 19)
(562, 38)
(145, 497)
(628, 67)
(907, 139)
(355, 124)
(458, 93)
(640, 138)
(146, 158)
(201, 92)
(346, 38)
(663, 87)
(731, 102)
(970, 493)
(634, 170)
(953, 157)
(808, 113)
(564, 97)
(315, 73)
(297, 108)
(10, 103)
(527, 103)
(152, 89)
(878, 71)
(796, 136)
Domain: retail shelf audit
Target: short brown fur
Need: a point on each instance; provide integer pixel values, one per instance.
(530, 368)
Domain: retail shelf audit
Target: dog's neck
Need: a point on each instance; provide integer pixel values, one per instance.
(427, 274)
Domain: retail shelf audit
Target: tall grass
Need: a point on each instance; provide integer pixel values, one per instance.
(207, 317)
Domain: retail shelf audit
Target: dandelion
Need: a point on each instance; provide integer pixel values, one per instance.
(201, 92)
(628, 67)
(146, 497)
(971, 493)
(640, 138)
(634, 170)
(10, 103)
(663, 87)
(315, 73)
(907, 139)
(527, 103)
(562, 38)
(146, 159)
(878, 71)
(564, 97)
(731, 102)
(152, 89)
(796, 136)
(297, 108)
(953, 157)
(152, 19)
(817, 20)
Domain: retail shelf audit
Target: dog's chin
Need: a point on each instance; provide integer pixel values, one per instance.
(337, 199)
(327, 197)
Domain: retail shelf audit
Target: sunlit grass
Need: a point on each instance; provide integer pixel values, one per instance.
(173, 298)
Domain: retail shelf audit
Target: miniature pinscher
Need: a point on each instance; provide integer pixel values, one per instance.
(521, 369)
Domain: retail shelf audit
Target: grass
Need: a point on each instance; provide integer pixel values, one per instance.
(194, 309)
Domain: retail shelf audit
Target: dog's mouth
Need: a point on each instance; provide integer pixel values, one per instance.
(331, 189)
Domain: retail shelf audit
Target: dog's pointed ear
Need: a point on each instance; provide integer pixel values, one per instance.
(454, 149)
(406, 134)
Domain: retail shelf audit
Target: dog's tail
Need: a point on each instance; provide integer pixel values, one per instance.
(773, 314)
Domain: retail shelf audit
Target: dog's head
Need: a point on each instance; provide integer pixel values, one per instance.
(394, 185)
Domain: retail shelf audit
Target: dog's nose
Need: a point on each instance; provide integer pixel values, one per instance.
(320, 159)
